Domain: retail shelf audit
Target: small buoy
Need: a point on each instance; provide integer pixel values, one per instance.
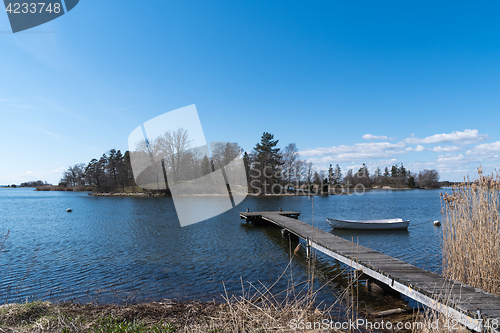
(437, 223)
(69, 210)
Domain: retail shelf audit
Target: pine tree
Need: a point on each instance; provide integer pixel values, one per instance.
(411, 182)
(268, 161)
(337, 175)
(377, 175)
(205, 166)
(386, 172)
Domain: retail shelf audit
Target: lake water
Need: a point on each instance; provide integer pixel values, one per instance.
(119, 248)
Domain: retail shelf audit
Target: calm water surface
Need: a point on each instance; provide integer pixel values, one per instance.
(118, 248)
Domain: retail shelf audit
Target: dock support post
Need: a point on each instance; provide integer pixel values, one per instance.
(376, 287)
(287, 235)
(308, 248)
(480, 318)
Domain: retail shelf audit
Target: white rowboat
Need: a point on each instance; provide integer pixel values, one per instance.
(369, 224)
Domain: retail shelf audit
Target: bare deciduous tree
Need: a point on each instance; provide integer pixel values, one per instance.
(172, 147)
(290, 158)
(428, 179)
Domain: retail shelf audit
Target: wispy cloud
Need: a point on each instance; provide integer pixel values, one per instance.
(19, 177)
(57, 136)
(465, 137)
(375, 137)
(358, 151)
(451, 158)
(128, 107)
(446, 149)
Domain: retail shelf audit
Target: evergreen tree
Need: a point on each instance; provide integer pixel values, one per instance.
(113, 162)
(362, 176)
(247, 161)
(377, 176)
(337, 175)
(403, 175)
(126, 174)
(411, 182)
(331, 180)
(394, 172)
(95, 173)
(205, 166)
(386, 172)
(268, 161)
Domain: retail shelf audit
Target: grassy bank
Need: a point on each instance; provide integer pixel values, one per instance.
(239, 314)
(71, 317)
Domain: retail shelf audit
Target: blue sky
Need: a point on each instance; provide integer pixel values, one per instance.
(349, 82)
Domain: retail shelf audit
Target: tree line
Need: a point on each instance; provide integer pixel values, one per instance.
(269, 169)
(397, 176)
(108, 173)
(33, 183)
(274, 170)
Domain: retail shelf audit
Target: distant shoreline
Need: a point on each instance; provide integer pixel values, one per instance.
(139, 192)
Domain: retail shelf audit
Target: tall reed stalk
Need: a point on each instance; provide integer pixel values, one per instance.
(471, 240)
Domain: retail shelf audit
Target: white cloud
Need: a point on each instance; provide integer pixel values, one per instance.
(453, 161)
(417, 148)
(466, 137)
(374, 137)
(445, 149)
(357, 147)
(359, 151)
(451, 158)
(485, 149)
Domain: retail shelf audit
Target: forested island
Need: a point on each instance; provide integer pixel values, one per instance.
(269, 170)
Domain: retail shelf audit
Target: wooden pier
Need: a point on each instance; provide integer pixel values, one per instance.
(472, 307)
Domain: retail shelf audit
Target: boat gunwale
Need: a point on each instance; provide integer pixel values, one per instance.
(383, 221)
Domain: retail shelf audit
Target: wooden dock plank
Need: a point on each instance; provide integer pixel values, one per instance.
(417, 283)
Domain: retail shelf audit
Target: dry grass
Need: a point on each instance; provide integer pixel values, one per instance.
(471, 245)
(257, 309)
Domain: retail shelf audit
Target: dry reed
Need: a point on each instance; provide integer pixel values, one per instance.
(471, 245)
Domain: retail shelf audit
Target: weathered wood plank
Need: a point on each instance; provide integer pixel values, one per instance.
(403, 277)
